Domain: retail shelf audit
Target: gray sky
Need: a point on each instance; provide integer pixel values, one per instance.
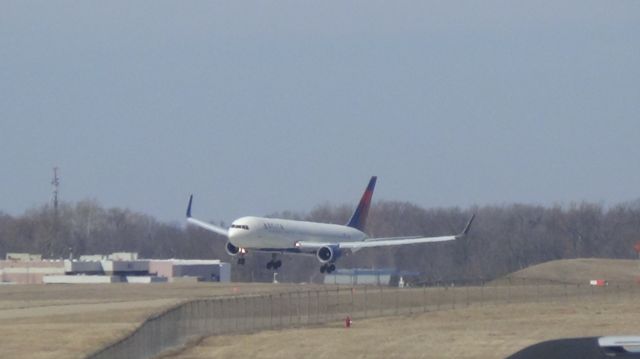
(258, 107)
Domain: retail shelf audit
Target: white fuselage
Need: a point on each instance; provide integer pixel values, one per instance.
(281, 234)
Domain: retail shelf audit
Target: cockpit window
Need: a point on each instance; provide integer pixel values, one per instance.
(240, 226)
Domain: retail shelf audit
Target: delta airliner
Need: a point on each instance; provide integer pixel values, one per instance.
(328, 242)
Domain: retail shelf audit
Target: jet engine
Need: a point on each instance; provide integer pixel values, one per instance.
(232, 250)
(329, 254)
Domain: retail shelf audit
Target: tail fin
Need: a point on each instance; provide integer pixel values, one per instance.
(359, 217)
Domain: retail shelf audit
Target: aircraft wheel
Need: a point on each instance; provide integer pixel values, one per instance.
(241, 261)
(269, 265)
(277, 264)
(331, 268)
(323, 268)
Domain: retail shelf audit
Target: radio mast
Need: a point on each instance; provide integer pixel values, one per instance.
(55, 182)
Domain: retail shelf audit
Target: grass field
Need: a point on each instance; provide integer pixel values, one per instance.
(581, 270)
(70, 321)
(495, 324)
(494, 331)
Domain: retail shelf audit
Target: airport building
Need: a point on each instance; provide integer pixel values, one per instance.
(390, 277)
(22, 268)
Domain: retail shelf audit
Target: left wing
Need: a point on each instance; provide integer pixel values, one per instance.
(202, 224)
(385, 242)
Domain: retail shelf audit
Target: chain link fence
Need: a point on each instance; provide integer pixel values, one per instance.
(250, 313)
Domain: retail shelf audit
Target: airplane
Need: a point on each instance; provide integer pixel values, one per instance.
(328, 242)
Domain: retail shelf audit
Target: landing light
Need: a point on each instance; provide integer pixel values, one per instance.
(243, 251)
(297, 244)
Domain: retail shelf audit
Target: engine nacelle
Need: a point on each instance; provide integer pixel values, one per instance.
(329, 254)
(232, 250)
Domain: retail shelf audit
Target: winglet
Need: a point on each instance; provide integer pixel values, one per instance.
(467, 228)
(189, 206)
(359, 217)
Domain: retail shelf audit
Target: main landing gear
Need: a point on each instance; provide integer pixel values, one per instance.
(274, 264)
(241, 261)
(328, 268)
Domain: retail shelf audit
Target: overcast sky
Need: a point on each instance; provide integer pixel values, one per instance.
(257, 107)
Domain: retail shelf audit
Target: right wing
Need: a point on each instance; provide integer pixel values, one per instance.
(375, 242)
(385, 242)
(208, 226)
(397, 241)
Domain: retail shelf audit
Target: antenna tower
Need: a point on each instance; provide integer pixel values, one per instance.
(55, 182)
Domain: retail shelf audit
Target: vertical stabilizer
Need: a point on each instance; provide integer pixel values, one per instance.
(359, 217)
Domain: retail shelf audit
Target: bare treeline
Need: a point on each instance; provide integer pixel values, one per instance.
(503, 238)
(88, 228)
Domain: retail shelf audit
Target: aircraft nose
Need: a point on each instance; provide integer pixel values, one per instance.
(236, 235)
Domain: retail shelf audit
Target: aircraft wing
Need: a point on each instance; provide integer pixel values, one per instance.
(375, 242)
(385, 242)
(202, 224)
(395, 241)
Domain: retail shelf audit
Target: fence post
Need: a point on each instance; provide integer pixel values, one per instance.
(223, 316)
(338, 302)
(397, 298)
(290, 309)
(466, 289)
(352, 303)
(235, 311)
(381, 300)
(424, 298)
(280, 310)
(271, 311)
(252, 304)
(365, 301)
(453, 298)
(248, 314)
(326, 313)
(298, 306)
(220, 326)
(308, 292)
(317, 306)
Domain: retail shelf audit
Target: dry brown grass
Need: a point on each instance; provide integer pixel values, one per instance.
(475, 332)
(69, 321)
(580, 271)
